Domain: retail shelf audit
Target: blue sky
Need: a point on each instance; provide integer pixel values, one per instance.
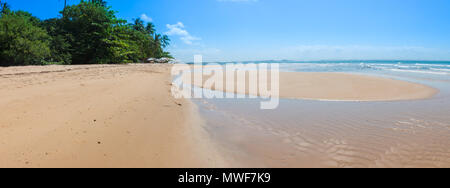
(241, 30)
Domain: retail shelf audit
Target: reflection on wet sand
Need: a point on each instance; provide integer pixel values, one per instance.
(308, 133)
(331, 134)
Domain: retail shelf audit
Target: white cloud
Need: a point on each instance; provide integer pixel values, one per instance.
(179, 30)
(146, 18)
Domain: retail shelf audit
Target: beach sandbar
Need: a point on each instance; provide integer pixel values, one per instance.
(334, 87)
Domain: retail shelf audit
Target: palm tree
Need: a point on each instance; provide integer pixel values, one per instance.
(158, 41)
(165, 41)
(138, 25)
(4, 7)
(150, 28)
(100, 2)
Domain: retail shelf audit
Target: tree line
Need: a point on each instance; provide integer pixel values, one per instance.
(85, 33)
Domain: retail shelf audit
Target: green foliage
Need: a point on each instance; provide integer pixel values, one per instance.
(59, 46)
(99, 2)
(4, 8)
(22, 41)
(86, 33)
(92, 29)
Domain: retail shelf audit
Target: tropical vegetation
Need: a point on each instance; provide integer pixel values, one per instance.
(85, 33)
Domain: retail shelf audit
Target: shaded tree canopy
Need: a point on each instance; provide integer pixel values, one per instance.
(85, 33)
(22, 40)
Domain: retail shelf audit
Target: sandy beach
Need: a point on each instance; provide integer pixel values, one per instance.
(224, 84)
(98, 116)
(125, 116)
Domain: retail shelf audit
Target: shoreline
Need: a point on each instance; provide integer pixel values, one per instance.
(99, 116)
(125, 116)
(316, 134)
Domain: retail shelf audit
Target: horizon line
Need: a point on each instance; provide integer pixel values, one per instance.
(332, 60)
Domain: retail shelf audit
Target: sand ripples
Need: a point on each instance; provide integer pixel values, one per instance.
(334, 134)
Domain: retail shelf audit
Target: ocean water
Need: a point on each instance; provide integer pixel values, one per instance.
(308, 133)
(403, 70)
(439, 70)
(428, 67)
(424, 68)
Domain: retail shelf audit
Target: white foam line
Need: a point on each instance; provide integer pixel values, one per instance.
(423, 72)
(434, 65)
(446, 70)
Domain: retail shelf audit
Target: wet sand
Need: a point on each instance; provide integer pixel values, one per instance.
(331, 134)
(98, 116)
(314, 133)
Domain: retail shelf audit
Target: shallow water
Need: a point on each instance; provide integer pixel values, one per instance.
(305, 133)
